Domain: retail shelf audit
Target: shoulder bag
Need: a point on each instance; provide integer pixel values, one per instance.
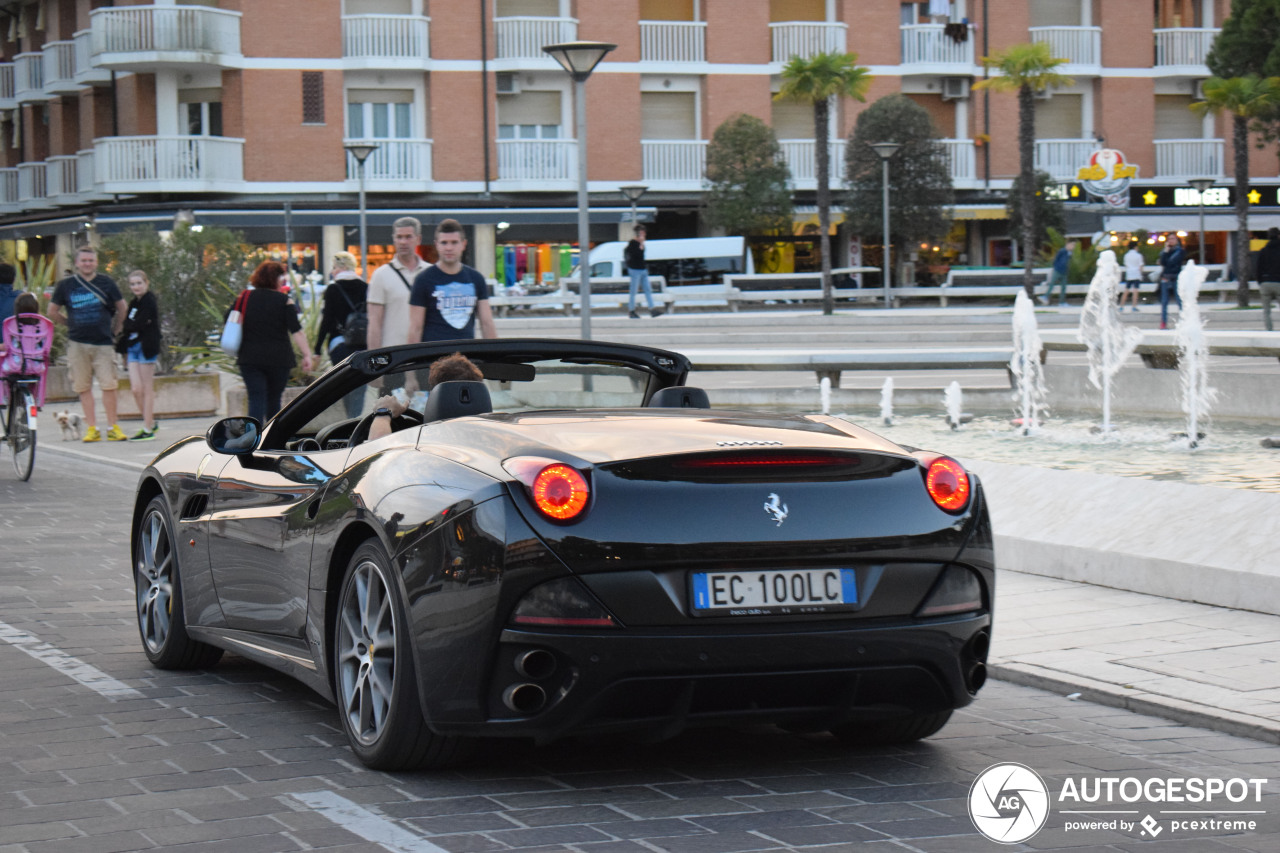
(233, 329)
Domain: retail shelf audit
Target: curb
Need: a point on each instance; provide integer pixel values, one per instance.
(1166, 707)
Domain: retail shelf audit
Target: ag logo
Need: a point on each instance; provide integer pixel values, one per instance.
(1008, 803)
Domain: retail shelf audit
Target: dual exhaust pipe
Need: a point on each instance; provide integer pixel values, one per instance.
(525, 697)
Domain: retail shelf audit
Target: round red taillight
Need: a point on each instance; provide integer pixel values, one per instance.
(560, 492)
(948, 484)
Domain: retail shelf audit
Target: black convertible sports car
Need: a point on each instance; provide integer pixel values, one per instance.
(578, 543)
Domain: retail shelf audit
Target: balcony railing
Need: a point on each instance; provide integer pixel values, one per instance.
(672, 161)
(28, 77)
(32, 188)
(59, 59)
(9, 187)
(1063, 158)
(806, 38)
(802, 159)
(61, 179)
(1189, 158)
(928, 44)
(167, 163)
(523, 37)
(1184, 46)
(146, 35)
(86, 72)
(961, 159)
(7, 96)
(84, 171)
(399, 161)
(538, 160)
(386, 37)
(1077, 45)
(673, 41)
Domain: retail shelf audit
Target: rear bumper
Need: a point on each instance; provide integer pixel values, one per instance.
(663, 682)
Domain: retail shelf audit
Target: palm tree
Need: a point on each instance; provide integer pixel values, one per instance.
(1025, 69)
(1245, 98)
(816, 80)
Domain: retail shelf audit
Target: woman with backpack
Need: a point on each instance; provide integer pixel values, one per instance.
(344, 321)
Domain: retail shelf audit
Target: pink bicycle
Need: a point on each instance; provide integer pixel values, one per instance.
(27, 341)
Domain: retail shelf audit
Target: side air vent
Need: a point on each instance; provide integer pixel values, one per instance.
(195, 506)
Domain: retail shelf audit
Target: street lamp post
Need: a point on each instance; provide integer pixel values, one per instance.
(362, 152)
(886, 150)
(580, 58)
(1200, 185)
(632, 192)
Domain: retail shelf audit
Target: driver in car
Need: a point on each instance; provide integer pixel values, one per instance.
(450, 368)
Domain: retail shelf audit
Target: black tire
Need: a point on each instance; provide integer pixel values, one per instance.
(22, 438)
(375, 683)
(161, 615)
(904, 729)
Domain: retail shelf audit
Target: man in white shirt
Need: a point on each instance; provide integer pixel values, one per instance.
(390, 285)
(1133, 262)
(389, 288)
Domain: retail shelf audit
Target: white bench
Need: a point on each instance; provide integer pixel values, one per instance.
(1160, 348)
(830, 363)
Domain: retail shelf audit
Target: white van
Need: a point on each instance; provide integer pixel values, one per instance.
(682, 263)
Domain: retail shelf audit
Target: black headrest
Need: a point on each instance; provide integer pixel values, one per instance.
(455, 399)
(680, 397)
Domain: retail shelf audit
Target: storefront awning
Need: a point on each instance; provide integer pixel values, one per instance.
(979, 211)
(1186, 221)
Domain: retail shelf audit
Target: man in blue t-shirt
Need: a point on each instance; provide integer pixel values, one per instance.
(449, 296)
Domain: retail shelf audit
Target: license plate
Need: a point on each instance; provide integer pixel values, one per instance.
(774, 591)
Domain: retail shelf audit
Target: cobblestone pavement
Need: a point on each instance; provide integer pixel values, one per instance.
(99, 752)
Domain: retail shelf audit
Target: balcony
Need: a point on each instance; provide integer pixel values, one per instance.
(32, 189)
(7, 99)
(673, 41)
(1184, 50)
(145, 38)
(927, 49)
(1190, 158)
(84, 172)
(674, 164)
(523, 37)
(538, 164)
(9, 188)
(1063, 158)
(802, 160)
(149, 164)
(806, 38)
(1081, 47)
(59, 58)
(62, 184)
(396, 164)
(28, 78)
(86, 72)
(386, 41)
(961, 161)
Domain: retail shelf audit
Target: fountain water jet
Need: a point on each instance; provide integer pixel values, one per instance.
(824, 394)
(1193, 351)
(952, 399)
(1108, 340)
(1028, 373)
(886, 401)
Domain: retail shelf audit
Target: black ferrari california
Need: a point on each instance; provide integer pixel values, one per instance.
(579, 543)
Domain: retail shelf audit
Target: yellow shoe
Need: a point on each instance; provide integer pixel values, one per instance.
(92, 434)
(116, 434)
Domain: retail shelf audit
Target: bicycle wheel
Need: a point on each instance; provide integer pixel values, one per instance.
(22, 432)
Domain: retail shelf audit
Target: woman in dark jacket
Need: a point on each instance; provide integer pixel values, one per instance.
(344, 297)
(269, 320)
(140, 343)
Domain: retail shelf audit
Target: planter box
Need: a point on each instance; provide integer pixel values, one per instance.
(177, 395)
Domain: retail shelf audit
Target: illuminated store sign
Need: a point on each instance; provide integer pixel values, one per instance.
(1187, 198)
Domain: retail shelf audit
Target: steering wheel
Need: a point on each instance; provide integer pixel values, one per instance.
(322, 437)
(409, 418)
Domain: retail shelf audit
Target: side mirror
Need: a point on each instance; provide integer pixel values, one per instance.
(235, 436)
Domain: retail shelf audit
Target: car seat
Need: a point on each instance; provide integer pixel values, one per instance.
(680, 397)
(456, 399)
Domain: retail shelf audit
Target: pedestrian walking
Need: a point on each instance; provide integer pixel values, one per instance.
(1058, 275)
(140, 344)
(1171, 261)
(89, 304)
(638, 271)
(265, 358)
(1133, 262)
(1268, 274)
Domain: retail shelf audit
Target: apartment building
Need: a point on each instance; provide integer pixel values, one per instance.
(222, 111)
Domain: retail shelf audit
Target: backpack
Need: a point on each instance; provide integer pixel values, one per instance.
(355, 329)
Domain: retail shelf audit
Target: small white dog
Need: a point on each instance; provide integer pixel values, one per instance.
(70, 423)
